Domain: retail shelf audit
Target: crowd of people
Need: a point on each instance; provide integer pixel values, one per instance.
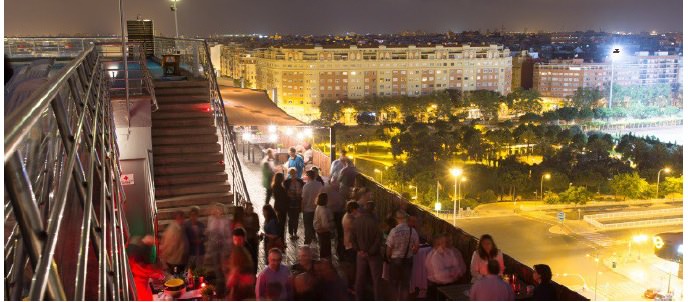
(377, 256)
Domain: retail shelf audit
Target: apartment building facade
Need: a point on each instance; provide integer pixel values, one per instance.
(561, 78)
(298, 79)
(238, 63)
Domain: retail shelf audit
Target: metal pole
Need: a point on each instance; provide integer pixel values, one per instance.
(333, 155)
(176, 27)
(542, 193)
(459, 199)
(124, 58)
(611, 84)
(657, 192)
(455, 180)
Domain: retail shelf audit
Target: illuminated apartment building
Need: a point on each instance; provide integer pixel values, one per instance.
(561, 78)
(298, 79)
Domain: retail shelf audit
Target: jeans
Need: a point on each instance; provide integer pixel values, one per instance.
(294, 214)
(308, 218)
(325, 243)
(268, 195)
(368, 266)
(282, 220)
(400, 277)
(340, 232)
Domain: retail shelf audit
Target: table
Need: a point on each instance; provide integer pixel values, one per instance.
(459, 292)
(188, 295)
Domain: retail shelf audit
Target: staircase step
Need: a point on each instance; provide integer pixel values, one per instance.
(169, 115)
(184, 139)
(182, 91)
(187, 122)
(194, 200)
(184, 107)
(168, 84)
(167, 169)
(188, 158)
(184, 179)
(179, 190)
(196, 148)
(189, 131)
(170, 99)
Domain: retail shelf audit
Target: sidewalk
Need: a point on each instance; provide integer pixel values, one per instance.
(646, 271)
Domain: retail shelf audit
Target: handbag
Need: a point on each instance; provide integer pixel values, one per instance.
(397, 265)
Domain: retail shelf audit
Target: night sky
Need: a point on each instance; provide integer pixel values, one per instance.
(207, 17)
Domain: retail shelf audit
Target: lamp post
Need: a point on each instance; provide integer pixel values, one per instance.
(615, 53)
(414, 187)
(542, 179)
(666, 170)
(174, 9)
(456, 172)
(637, 239)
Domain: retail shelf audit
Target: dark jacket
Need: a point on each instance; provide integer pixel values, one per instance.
(294, 202)
(545, 292)
(281, 198)
(366, 235)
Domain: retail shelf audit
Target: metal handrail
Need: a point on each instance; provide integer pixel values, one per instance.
(61, 164)
(196, 57)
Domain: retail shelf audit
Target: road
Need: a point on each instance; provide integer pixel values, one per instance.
(530, 241)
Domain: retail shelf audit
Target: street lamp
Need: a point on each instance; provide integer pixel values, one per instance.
(666, 170)
(542, 179)
(173, 7)
(640, 238)
(456, 172)
(414, 187)
(615, 53)
(597, 272)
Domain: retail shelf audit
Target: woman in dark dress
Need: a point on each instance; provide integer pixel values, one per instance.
(271, 231)
(544, 290)
(281, 201)
(294, 187)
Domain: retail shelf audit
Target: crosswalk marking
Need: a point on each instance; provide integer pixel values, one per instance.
(599, 239)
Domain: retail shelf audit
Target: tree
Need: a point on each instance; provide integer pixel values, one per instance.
(330, 111)
(524, 101)
(672, 185)
(366, 118)
(577, 195)
(488, 102)
(551, 198)
(630, 185)
(586, 98)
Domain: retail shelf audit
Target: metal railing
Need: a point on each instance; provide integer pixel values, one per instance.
(152, 215)
(195, 59)
(64, 198)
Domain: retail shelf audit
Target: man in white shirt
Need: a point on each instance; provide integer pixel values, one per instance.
(491, 287)
(402, 244)
(444, 265)
(309, 193)
(337, 166)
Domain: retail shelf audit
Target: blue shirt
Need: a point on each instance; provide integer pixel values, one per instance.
(297, 163)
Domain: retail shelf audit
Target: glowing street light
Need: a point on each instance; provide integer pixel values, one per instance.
(542, 179)
(272, 129)
(414, 187)
(666, 170)
(272, 137)
(456, 172)
(638, 239)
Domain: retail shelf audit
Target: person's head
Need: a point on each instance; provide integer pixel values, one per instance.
(248, 207)
(218, 210)
(342, 154)
(193, 213)
(412, 221)
(487, 249)
(315, 170)
(292, 172)
(269, 154)
(179, 217)
(278, 179)
(441, 241)
(307, 146)
(400, 216)
(322, 199)
(274, 258)
(292, 152)
(239, 236)
(305, 255)
(352, 207)
(269, 212)
(311, 175)
(493, 267)
(274, 291)
(364, 195)
(542, 273)
(324, 270)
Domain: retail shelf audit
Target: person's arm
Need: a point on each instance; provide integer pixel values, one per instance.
(389, 244)
(475, 265)
(415, 241)
(500, 259)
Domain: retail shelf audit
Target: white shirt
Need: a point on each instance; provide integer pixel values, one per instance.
(491, 288)
(347, 226)
(324, 219)
(309, 193)
(444, 265)
(398, 241)
(479, 265)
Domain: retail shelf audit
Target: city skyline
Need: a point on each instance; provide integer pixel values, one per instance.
(305, 17)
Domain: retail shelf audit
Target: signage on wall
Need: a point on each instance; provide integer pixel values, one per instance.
(127, 179)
